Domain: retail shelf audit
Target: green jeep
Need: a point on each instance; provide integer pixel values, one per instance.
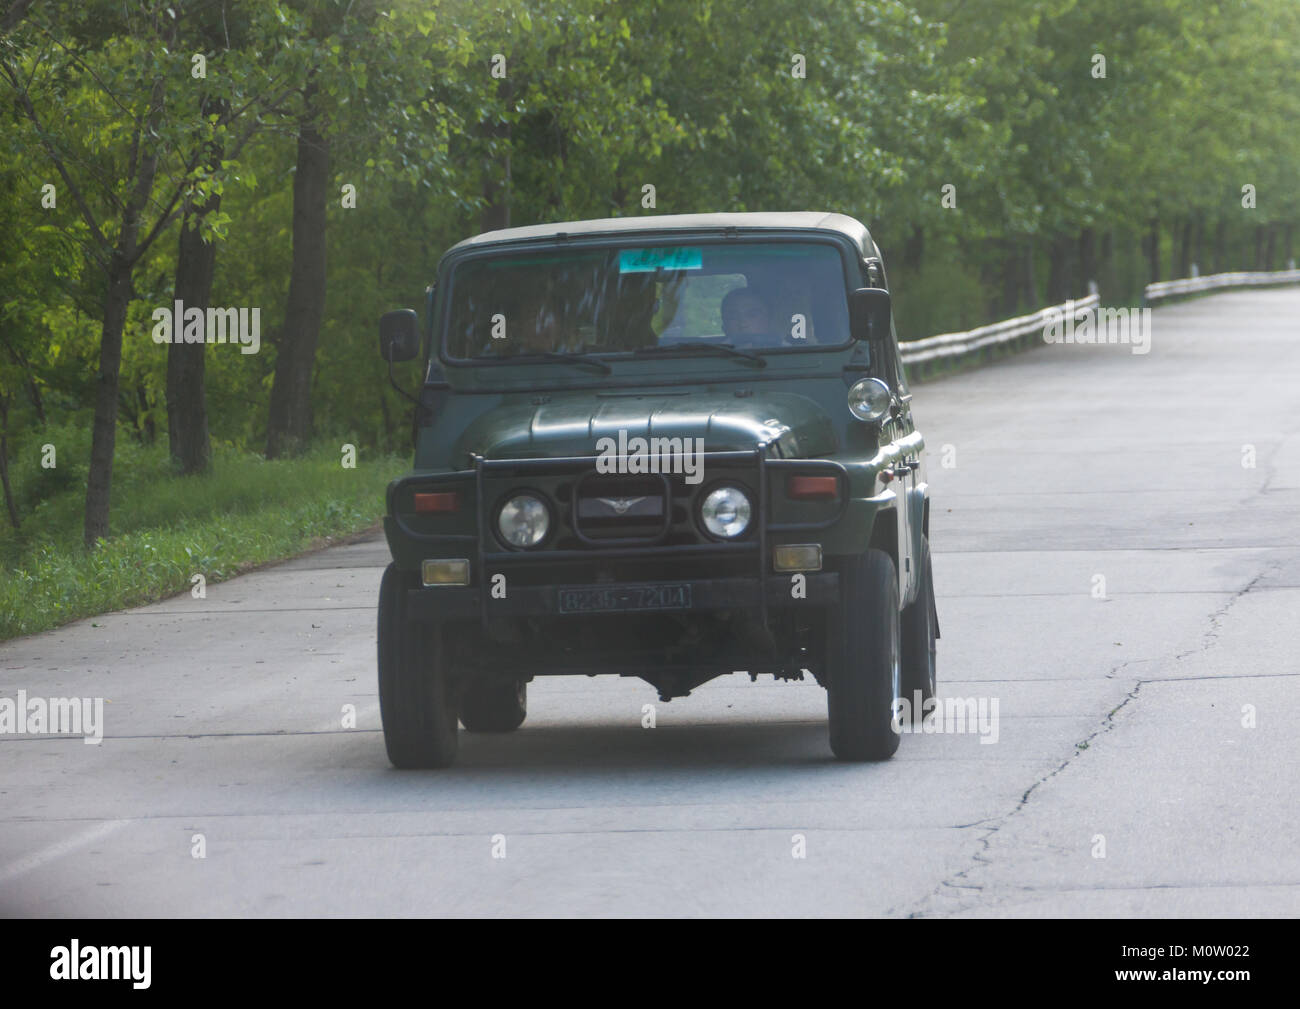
(666, 447)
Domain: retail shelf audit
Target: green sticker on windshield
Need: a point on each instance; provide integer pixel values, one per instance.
(660, 258)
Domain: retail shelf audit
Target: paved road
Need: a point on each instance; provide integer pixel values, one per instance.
(1121, 718)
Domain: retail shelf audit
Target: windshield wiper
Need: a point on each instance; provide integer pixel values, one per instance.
(722, 349)
(559, 355)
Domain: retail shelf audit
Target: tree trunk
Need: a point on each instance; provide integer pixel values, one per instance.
(1152, 249)
(387, 416)
(104, 427)
(187, 411)
(196, 262)
(1270, 247)
(496, 199)
(990, 274)
(1087, 258)
(1198, 246)
(1220, 245)
(148, 429)
(1185, 229)
(496, 187)
(10, 503)
(289, 423)
(1028, 282)
(914, 250)
(117, 297)
(1059, 280)
(34, 390)
(1290, 245)
(1106, 266)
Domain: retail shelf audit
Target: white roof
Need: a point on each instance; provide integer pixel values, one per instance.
(798, 220)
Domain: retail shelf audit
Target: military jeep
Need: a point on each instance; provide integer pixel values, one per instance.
(673, 448)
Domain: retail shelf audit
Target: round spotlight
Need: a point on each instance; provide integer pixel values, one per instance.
(869, 399)
(524, 520)
(726, 512)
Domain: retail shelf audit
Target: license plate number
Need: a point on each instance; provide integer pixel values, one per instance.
(615, 598)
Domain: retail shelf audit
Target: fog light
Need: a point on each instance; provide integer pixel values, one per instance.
(445, 572)
(797, 557)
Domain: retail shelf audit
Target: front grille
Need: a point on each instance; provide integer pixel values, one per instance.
(616, 507)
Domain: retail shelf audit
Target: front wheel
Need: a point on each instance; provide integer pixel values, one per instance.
(416, 697)
(864, 666)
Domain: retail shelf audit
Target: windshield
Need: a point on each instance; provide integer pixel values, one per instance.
(752, 296)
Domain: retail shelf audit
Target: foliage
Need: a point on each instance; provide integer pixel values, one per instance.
(1059, 175)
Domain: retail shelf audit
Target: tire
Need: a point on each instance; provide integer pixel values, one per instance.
(494, 706)
(416, 697)
(864, 660)
(920, 628)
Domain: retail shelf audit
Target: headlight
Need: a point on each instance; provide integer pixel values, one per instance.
(524, 520)
(869, 399)
(725, 512)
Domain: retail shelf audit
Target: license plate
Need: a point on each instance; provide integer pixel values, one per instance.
(616, 598)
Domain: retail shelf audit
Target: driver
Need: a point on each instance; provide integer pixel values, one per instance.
(536, 325)
(745, 318)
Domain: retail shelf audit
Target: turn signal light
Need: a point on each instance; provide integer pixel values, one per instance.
(429, 504)
(812, 488)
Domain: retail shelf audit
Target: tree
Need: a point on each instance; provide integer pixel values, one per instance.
(102, 101)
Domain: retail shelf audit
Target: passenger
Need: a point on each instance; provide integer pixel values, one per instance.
(746, 319)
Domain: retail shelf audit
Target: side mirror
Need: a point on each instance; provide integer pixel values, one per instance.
(399, 335)
(869, 314)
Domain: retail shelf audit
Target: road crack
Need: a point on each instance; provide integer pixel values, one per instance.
(960, 880)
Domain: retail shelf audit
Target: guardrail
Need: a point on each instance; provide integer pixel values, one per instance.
(955, 345)
(1214, 281)
(935, 348)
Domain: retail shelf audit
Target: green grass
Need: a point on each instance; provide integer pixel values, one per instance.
(166, 529)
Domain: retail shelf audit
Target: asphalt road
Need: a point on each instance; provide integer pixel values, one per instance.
(1146, 754)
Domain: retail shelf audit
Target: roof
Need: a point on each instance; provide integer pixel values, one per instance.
(798, 220)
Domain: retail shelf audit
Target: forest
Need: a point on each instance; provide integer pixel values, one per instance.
(300, 166)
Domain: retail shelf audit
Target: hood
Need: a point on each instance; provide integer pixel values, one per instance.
(571, 425)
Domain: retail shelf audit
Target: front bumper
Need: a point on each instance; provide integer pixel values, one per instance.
(758, 591)
(701, 595)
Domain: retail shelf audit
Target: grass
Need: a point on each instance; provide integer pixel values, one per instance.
(245, 512)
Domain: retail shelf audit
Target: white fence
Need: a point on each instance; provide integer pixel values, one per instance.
(948, 345)
(1214, 281)
(935, 348)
